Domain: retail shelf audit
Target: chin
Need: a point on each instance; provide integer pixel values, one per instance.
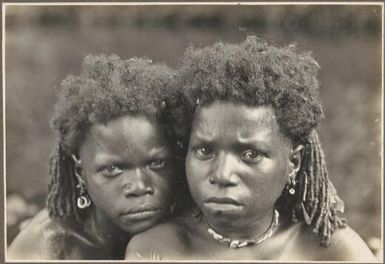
(137, 227)
(134, 227)
(224, 219)
(226, 224)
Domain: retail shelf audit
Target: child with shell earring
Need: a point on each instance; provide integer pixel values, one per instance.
(254, 164)
(116, 165)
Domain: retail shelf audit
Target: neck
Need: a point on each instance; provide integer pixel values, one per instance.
(105, 233)
(244, 231)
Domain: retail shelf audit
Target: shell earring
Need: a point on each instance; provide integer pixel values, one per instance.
(83, 200)
(292, 183)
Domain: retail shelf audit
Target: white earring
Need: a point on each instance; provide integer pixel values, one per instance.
(292, 183)
(83, 200)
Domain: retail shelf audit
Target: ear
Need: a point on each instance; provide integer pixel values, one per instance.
(295, 161)
(78, 169)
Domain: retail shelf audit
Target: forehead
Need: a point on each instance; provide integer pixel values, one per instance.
(230, 118)
(126, 131)
(128, 124)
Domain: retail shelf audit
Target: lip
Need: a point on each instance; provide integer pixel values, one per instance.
(222, 204)
(140, 215)
(222, 200)
(141, 212)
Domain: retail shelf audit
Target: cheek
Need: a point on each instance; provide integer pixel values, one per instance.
(194, 171)
(103, 196)
(269, 178)
(164, 184)
(104, 192)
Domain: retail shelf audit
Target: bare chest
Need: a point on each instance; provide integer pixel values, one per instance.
(286, 245)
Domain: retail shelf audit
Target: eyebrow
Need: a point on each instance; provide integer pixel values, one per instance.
(202, 137)
(159, 151)
(257, 144)
(253, 141)
(106, 158)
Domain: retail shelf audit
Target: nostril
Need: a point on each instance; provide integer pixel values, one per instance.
(126, 193)
(137, 190)
(150, 190)
(211, 180)
(129, 193)
(224, 180)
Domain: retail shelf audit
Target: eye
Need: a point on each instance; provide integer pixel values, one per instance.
(204, 152)
(157, 164)
(252, 156)
(111, 171)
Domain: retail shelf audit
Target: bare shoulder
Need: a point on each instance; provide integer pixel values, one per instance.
(165, 239)
(38, 239)
(346, 244)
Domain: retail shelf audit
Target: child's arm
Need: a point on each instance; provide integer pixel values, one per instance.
(33, 242)
(161, 242)
(139, 249)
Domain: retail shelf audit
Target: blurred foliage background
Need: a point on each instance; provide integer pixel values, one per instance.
(45, 43)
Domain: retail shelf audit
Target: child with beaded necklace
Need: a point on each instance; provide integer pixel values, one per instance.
(254, 163)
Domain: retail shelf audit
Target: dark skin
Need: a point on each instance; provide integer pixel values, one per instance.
(239, 153)
(126, 166)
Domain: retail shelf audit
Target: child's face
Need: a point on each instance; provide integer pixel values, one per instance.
(237, 163)
(129, 173)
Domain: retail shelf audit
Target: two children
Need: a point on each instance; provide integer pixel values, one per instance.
(242, 117)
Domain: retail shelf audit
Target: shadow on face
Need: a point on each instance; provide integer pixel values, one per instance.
(237, 164)
(128, 170)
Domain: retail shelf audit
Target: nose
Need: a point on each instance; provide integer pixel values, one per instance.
(224, 171)
(138, 184)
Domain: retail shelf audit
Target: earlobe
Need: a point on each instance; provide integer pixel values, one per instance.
(78, 169)
(76, 160)
(295, 165)
(83, 200)
(295, 160)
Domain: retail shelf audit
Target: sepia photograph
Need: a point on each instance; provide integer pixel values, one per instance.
(208, 131)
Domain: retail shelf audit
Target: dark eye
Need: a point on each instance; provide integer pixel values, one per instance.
(111, 171)
(204, 152)
(157, 164)
(252, 156)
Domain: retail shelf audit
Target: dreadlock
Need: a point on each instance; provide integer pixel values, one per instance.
(61, 201)
(107, 87)
(316, 200)
(256, 73)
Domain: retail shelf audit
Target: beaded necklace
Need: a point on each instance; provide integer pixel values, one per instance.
(236, 243)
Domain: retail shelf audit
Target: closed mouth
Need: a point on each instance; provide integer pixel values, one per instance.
(222, 200)
(140, 216)
(141, 213)
(137, 210)
(222, 204)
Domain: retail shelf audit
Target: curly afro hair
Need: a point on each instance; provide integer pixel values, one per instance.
(107, 87)
(256, 73)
